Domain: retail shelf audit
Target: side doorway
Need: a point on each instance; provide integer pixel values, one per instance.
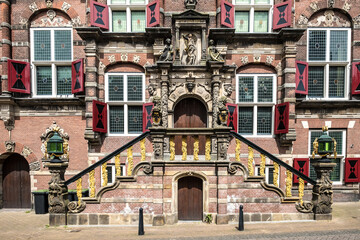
(190, 198)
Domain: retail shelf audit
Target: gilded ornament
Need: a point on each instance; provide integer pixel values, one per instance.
(79, 190)
(301, 190)
(262, 165)
(142, 149)
(130, 161)
(237, 150)
(104, 174)
(208, 149)
(196, 148)
(172, 149)
(118, 165)
(276, 174)
(184, 148)
(288, 183)
(250, 161)
(92, 183)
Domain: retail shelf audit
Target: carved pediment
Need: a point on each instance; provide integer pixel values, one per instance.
(191, 14)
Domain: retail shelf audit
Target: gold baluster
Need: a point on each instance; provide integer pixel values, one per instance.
(262, 165)
(208, 149)
(130, 161)
(184, 148)
(288, 183)
(276, 174)
(142, 150)
(92, 182)
(117, 165)
(237, 150)
(172, 148)
(196, 148)
(250, 161)
(301, 190)
(104, 174)
(79, 190)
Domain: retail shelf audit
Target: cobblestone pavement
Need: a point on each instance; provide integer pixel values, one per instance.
(345, 225)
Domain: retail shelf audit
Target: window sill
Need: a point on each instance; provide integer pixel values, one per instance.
(325, 103)
(49, 101)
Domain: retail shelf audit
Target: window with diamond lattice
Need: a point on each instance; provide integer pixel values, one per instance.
(51, 58)
(256, 100)
(252, 15)
(339, 136)
(125, 96)
(329, 61)
(127, 15)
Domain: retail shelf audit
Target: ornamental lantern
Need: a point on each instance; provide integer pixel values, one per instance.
(55, 147)
(324, 146)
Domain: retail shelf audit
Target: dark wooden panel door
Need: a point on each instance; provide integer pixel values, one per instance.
(190, 113)
(190, 198)
(16, 182)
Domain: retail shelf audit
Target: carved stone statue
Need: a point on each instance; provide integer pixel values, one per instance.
(190, 48)
(167, 53)
(190, 4)
(213, 53)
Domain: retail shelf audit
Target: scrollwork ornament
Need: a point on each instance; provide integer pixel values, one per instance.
(305, 207)
(303, 20)
(75, 207)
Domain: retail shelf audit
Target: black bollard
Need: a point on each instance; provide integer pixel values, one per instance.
(141, 222)
(241, 219)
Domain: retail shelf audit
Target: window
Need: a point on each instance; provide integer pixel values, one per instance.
(252, 15)
(111, 172)
(125, 95)
(329, 62)
(256, 100)
(340, 138)
(51, 57)
(269, 174)
(127, 15)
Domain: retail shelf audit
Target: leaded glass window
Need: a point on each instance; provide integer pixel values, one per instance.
(119, 21)
(265, 89)
(264, 121)
(118, 1)
(116, 88)
(43, 81)
(63, 80)
(317, 45)
(246, 120)
(316, 81)
(242, 1)
(135, 119)
(116, 119)
(63, 45)
(138, 21)
(338, 45)
(246, 89)
(42, 45)
(336, 82)
(241, 21)
(134, 88)
(260, 21)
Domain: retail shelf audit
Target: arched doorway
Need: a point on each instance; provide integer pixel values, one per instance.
(16, 182)
(190, 113)
(190, 198)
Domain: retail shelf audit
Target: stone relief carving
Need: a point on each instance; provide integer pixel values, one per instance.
(101, 66)
(23, 21)
(136, 58)
(189, 55)
(357, 21)
(152, 91)
(57, 191)
(51, 14)
(347, 6)
(167, 53)
(213, 53)
(33, 7)
(205, 86)
(331, 3)
(279, 69)
(9, 123)
(124, 57)
(112, 59)
(190, 4)
(34, 166)
(10, 146)
(26, 151)
(49, 3)
(303, 20)
(257, 58)
(269, 60)
(314, 6)
(245, 60)
(51, 21)
(329, 20)
(76, 21)
(65, 7)
(228, 89)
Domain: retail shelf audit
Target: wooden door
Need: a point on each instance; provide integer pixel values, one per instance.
(190, 198)
(190, 113)
(16, 182)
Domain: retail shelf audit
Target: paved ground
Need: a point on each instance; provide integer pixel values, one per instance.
(345, 225)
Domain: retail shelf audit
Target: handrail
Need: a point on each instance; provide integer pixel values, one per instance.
(273, 158)
(107, 158)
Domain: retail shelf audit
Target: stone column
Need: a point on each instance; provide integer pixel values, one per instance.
(5, 29)
(322, 198)
(177, 44)
(164, 100)
(58, 193)
(222, 139)
(215, 83)
(203, 44)
(157, 138)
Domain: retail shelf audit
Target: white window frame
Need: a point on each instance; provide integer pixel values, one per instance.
(252, 8)
(113, 172)
(341, 157)
(128, 7)
(255, 104)
(267, 175)
(327, 63)
(124, 103)
(53, 63)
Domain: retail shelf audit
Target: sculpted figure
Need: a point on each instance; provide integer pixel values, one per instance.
(213, 53)
(190, 49)
(167, 53)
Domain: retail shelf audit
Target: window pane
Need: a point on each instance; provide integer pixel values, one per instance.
(271, 176)
(241, 21)
(262, 1)
(137, 1)
(42, 46)
(316, 82)
(338, 45)
(264, 120)
(242, 1)
(138, 21)
(43, 81)
(62, 45)
(317, 45)
(339, 141)
(109, 174)
(116, 88)
(265, 89)
(246, 120)
(135, 119)
(116, 119)
(336, 82)
(260, 21)
(119, 21)
(134, 88)
(246, 89)
(118, 1)
(63, 80)
(335, 174)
